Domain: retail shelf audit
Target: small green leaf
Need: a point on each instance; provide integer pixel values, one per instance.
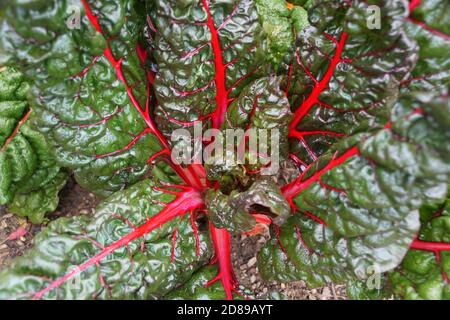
(30, 179)
(233, 211)
(280, 23)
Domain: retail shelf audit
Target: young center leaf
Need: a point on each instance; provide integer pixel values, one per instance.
(258, 120)
(280, 21)
(237, 211)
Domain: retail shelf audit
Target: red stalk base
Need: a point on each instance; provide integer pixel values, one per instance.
(222, 246)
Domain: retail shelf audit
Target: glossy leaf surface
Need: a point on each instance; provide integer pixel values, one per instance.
(206, 52)
(423, 274)
(141, 243)
(30, 179)
(358, 206)
(90, 90)
(346, 70)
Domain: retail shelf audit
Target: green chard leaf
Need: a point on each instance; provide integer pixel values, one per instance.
(424, 273)
(433, 13)
(30, 179)
(206, 52)
(361, 108)
(234, 211)
(357, 206)
(141, 243)
(345, 71)
(280, 21)
(427, 25)
(261, 105)
(89, 85)
(199, 288)
(374, 288)
(262, 114)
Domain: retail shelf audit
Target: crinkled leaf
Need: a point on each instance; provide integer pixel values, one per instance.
(197, 289)
(358, 207)
(434, 13)
(280, 21)
(427, 25)
(206, 52)
(375, 289)
(30, 179)
(357, 201)
(258, 120)
(303, 3)
(163, 174)
(36, 203)
(90, 91)
(124, 251)
(261, 105)
(345, 74)
(424, 274)
(233, 211)
(223, 213)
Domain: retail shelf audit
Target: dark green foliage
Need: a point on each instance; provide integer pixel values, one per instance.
(30, 179)
(145, 268)
(361, 115)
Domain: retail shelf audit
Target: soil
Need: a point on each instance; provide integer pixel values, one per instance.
(74, 201)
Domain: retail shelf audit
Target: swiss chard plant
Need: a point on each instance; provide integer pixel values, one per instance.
(357, 91)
